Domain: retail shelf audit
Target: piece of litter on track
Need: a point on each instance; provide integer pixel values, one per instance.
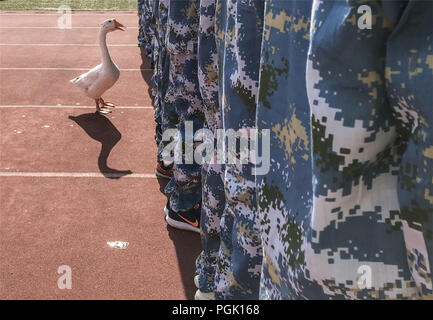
(46, 126)
(118, 244)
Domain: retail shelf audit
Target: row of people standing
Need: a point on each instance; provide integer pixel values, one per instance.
(342, 92)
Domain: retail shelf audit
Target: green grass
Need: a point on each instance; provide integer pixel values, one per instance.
(73, 4)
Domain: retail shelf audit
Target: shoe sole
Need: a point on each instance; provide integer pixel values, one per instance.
(159, 174)
(196, 282)
(166, 210)
(203, 296)
(181, 225)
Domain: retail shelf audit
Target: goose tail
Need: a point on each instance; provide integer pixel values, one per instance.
(75, 80)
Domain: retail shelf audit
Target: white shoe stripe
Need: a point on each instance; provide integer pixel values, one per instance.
(181, 225)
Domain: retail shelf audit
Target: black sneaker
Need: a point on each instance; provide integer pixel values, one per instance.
(185, 220)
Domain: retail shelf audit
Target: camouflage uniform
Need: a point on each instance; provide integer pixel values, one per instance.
(408, 76)
(371, 217)
(141, 22)
(212, 173)
(160, 77)
(154, 58)
(285, 193)
(146, 32)
(184, 97)
(154, 64)
(238, 32)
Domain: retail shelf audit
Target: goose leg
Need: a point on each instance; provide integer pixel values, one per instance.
(98, 108)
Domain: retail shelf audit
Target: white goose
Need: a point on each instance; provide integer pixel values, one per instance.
(102, 77)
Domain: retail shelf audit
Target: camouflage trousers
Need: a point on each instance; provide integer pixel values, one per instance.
(145, 29)
(213, 198)
(407, 84)
(160, 77)
(165, 114)
(284, 193)
(369, 226)
(183, 97)
(238, 34)
(213, 201)
(141, 22)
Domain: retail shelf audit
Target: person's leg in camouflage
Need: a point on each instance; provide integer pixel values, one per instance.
(409, 79)
(183, 93)
(163, 75)
(148, 26)
(155, 80)
(285, 192)
(369, 230)
(239, 35)
(213, 198)
(141, 22)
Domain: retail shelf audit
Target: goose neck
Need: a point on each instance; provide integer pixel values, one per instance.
(106, 59)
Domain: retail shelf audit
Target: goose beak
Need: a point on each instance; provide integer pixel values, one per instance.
(119, 26)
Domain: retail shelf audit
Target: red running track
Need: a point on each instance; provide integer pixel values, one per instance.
(56, 206)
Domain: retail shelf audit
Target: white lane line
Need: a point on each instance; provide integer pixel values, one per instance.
(70, 107)
(64, 69)
(65, 45)
(76, 175)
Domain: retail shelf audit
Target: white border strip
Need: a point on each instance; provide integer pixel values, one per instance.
(76, 175)
(70, 107)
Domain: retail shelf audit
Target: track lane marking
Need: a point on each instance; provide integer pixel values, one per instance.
(77, 175)
(69, 107)
(29, 27)
(65, 45)
(63, 69)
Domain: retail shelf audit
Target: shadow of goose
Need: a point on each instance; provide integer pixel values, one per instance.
(101, 129)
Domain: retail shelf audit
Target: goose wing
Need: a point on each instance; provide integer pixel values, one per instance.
(86, 80)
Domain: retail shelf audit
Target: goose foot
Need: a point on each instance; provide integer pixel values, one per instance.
(103, 107)
(107, 104)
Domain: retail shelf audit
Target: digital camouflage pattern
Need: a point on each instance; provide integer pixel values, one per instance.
(239, 34)
(154, 7)
(370, 224)
(145, 30)
(285, 193)
(184, 97)
(160, 77)
(409, 79)
(213, 198)
(141, 22)
(345, 211)
(147, 39)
